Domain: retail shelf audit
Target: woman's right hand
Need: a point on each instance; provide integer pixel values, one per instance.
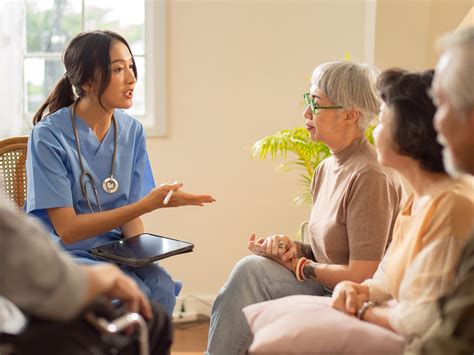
(155, 197)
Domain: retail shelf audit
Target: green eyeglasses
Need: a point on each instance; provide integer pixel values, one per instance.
(315, 108)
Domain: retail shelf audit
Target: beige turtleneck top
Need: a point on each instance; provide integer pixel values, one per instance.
(355, 204)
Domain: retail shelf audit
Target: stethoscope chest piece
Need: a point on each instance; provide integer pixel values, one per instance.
(110, 185)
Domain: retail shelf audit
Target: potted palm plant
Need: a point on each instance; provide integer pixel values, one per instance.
(306, 153)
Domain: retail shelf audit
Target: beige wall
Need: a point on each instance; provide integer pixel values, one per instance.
(406, 30)
(236, 71)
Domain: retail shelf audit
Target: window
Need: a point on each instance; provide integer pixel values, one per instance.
(37, 31)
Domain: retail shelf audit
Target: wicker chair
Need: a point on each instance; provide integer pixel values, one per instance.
(13, 169)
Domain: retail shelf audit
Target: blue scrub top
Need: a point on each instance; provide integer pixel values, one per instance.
(53, 170)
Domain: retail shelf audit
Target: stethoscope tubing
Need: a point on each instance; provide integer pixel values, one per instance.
(86, 177)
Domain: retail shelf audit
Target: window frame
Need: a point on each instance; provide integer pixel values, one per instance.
(154, 120)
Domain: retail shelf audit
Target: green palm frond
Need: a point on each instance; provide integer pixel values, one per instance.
(296, 141)
(308, 154)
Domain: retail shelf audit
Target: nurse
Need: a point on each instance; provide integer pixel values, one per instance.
(89, 177)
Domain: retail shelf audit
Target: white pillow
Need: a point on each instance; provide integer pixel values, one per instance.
(307, 325)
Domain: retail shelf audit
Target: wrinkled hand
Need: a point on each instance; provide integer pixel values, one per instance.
(108, 280)
(126, 289)
(156, 197)
(347, 298)
(255, 245)
(277, 245)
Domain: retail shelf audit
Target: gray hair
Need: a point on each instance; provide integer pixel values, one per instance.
(457, 82)
(351, 85)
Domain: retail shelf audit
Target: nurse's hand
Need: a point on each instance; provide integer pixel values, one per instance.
(181, 198)
(155, 199)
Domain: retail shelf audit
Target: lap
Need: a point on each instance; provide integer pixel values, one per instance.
(275, 278)
(307, 316)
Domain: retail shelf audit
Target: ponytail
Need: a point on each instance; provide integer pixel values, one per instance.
(61, 96)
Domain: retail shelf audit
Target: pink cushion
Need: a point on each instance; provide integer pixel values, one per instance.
(307, 325)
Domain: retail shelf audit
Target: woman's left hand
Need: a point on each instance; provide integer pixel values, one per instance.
(178, 197)
(347, 297)
(181, 198)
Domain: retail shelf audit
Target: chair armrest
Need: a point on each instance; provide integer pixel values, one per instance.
(304, 232)
(121, 323)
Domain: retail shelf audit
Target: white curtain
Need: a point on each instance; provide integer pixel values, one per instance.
(11, 67)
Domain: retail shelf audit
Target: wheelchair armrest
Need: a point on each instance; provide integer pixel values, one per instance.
(121, 323)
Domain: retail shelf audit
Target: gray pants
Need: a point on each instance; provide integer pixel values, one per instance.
(254, 279)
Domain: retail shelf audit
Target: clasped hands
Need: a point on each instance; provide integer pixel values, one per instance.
(279, 246)
(348, 297)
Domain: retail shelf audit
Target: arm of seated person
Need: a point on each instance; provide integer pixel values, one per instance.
(330, 274)
(72, 227)
(133, 228)
(326, 274)
(378, 315)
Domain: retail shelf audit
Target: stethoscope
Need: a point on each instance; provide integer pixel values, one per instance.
(110, 184)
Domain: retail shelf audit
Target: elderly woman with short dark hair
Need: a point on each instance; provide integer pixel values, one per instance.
(433, 225)
(355, 202)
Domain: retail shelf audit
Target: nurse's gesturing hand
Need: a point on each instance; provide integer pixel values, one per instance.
(72, 227)
(179, 198)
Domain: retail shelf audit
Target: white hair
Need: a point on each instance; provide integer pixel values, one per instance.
(457, 73)
(351, 85)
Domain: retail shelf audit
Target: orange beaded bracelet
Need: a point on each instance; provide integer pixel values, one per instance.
(299, 269)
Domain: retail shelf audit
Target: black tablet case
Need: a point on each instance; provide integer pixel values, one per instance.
(142, 249)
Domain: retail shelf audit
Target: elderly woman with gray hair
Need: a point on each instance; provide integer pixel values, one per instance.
(355, 203)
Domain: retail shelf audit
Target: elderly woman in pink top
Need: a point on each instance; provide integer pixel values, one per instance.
(355, 202)
(432, 226)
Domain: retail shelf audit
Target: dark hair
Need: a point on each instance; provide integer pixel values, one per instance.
(412, 130)
(86, 58)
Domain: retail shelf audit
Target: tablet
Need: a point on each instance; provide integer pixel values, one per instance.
(142, 249)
